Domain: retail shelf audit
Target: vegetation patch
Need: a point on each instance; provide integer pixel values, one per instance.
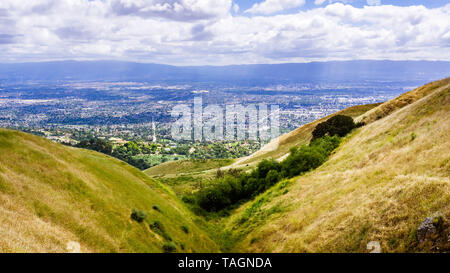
(338, 125)
(169, 247)
(138, 216)
(231, 189)
(157, 208)
(159, 229)
(185, 229)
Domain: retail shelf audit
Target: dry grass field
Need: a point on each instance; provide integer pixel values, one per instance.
(379, 185)
(51, 195)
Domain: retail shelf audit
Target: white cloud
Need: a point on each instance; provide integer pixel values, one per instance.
(172, 9)
(320, 2)
(35, 30)
(272, 6)
(235, 8)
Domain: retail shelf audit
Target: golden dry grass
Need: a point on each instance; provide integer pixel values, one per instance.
(189, 166)
(299, 136)
(51, 195)
(379, 185)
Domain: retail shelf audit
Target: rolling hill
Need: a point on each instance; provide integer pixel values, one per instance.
(54, 197)
(378, 186)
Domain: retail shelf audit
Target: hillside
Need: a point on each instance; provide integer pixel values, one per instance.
(184, 175)
(188, 166)
(379, 185)
(299, 136)
(52, 196)
(361, 113)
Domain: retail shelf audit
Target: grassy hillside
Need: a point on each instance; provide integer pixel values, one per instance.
(185, 176)
(361, 113)
(379, 185)
(299, 136)
(51, 195)
(187, 166)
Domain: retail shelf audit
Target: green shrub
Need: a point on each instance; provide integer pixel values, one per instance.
(185, 229)
(138, 216)
(158, 228)
(157, 208)
(230, 190)
(169, 247)
(188, 199)
(338, 125)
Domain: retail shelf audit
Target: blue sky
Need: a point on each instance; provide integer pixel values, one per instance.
(246, 4)
(222, 32)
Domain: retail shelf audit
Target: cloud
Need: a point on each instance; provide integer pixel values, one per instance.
(7, 38)
(183, 10)
(320, 2)
(272, 6)
(36, 30)
(235, 8)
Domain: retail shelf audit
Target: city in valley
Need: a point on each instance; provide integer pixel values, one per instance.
(134, 118)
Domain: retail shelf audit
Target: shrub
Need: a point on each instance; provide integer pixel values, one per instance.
(188, 199)
(185, 229)
(169, 247)
(157, 208)
(220, 173)
(138, 216)
(337, 125)
(158, 228)
(231, 189)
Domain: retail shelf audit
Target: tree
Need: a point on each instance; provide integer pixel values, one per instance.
(338, 125)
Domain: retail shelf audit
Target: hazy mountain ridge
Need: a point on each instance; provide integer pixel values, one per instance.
(337, 71)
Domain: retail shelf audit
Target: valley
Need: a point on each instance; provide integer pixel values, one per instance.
(378, 185)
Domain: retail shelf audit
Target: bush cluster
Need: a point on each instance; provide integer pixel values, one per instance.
(338, 125)
(229, 189)
(138, 216)
(169, 247)
(158, 228)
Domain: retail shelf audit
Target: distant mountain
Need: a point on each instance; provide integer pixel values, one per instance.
(345, 71)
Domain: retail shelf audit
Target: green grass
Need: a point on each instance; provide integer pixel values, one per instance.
(187, 166)
(51, 194)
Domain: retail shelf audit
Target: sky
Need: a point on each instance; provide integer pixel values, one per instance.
(223, 32)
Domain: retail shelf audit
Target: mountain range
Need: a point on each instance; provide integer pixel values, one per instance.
(255, 74)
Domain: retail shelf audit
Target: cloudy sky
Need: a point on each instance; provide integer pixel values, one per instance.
(220, 32)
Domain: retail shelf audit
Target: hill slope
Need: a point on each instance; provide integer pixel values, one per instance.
(187, 166)
(361, 113)
(299, 136)
(379, 185)
(51, 195)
